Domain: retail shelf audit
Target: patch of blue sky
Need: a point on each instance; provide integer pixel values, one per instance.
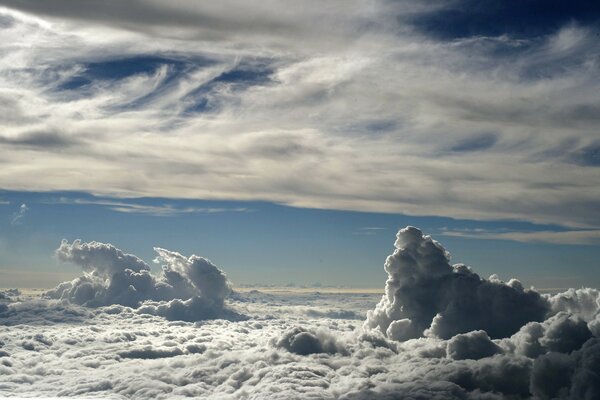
(517, 18)
(588, 156)
(206, 97)
(125, 67)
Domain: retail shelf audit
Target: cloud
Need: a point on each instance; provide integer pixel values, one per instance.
(563, 332)
(17, 217)
(101, 259)
(425, 295)
(579, 237)
(163, 210)
(198, 273)
(300, 341)
(56, 349)
(472, 345)
(308, 106)
(189, 289)
(40, 140)
(440, 331)
(568, 376)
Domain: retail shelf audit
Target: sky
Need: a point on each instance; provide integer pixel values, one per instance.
(288, 142)
(343, 199)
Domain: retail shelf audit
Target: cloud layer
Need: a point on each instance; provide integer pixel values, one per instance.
(358, 105)
(298, 345)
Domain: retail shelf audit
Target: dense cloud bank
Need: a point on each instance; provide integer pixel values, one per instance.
(187, 288)
(424, 339)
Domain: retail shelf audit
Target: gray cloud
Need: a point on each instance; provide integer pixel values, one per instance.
(472, 345)
(290, 108)
(425, 295)
(40, 140)
(300, 341)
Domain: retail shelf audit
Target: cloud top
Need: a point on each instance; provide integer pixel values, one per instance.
(427, 296)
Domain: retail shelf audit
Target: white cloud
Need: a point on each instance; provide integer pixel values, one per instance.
(113, 277)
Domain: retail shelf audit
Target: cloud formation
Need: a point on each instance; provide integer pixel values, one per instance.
(427, 296)
(203, 342)
(308, 106)
(186, 288)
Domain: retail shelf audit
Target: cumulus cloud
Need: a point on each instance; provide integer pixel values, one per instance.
(426, 295)
(473, 345)
(186, 288)
(194, 275)
(100, 259)
(568, 376)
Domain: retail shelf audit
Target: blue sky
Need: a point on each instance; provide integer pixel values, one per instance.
(270, 136)
(265, 243)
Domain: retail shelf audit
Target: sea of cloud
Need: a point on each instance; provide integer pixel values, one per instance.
(439, 331)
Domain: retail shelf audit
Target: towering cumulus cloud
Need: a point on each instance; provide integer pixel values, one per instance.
(186, 288)
(426, 296)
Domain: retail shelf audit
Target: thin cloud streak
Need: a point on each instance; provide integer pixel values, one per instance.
(164, 210)
(17, 217)
(576, 237)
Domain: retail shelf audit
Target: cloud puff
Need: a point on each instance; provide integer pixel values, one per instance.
(473, 345)
(303, 342)
(425, 295)
(194, 309)
(101, 259)
(113, 277)
(568, 376)
(195, 275)
(9, 294)
(562, 333)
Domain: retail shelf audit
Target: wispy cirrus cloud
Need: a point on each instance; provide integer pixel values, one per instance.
(162, 210)
(355, 106)
(577, 237)
(17, 217)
